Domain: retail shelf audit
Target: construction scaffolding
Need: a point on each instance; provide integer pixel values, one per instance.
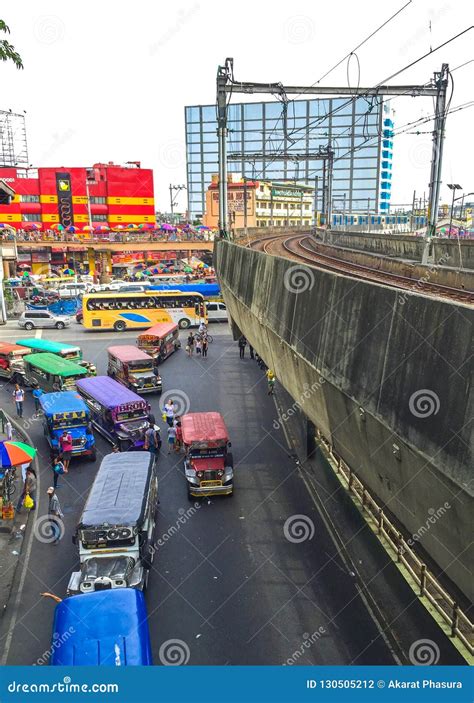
(13, 144)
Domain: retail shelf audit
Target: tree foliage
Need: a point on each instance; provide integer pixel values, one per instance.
(7, 51)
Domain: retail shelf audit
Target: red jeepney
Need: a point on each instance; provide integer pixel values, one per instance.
(208, 465)
(12, 365)
(160, 341)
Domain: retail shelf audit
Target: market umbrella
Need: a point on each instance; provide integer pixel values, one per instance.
(3, 225)
(167, 227)
(132, 227)
(202, 227)
(57, 226)
(15, 453)
(120, 227)
(87, 228)
(68, 272)
(72, 229)
(32, 225)
(146, 225)
(101, 228)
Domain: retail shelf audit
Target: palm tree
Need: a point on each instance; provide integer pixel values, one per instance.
(7, 51)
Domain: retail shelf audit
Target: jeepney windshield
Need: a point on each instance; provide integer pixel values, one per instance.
(203, 452)
(59, 422)
(130, 415)
(141, 365)
(71, 355)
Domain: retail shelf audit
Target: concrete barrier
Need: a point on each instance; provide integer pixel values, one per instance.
(383, 374)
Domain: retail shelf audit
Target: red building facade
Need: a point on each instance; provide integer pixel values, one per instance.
(115, 195)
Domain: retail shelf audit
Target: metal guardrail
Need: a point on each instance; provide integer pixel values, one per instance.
(457, 622)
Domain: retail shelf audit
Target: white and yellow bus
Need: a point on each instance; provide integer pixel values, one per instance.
(121, 311)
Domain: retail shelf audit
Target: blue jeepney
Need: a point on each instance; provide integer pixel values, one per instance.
(103, 628)
(67, 411)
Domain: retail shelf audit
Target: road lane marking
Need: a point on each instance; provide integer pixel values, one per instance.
(38, 333)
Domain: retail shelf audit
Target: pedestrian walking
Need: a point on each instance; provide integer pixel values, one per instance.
(58, 470)
(252, 355)
(171, 438)
(29, 488)
(198, 345)
(205, 346)
(270, 381)
(170, 412)
(202, 328)
(55, 515)
(190, 345)
(179, 434)
(152, 440)
(9, 430)
(37, 393)
(19, 397)
(242, 345)
(65, 443)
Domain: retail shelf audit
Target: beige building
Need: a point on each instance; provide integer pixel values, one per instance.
(277, 204)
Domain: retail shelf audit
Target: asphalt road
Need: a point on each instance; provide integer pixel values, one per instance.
(230, 581)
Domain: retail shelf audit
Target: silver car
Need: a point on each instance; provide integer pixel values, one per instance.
(43, 318)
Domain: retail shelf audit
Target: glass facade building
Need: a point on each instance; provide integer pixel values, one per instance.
(354, 127)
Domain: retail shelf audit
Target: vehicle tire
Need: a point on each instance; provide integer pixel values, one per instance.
(120, 326)
(184, 323)
(93, 456)
(122, 445)
(210, 338)
(29, 325)
(92, 290)
(230, 460)
(60, 325)
(191, 497)
(18, 378)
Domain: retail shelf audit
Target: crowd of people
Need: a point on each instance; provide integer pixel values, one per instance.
(49, 235)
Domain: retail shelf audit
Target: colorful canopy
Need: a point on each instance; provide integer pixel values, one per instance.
(101, 228)
(87, 228)
(72, 229)
(15, 453)
(57, 226)
(31, 225)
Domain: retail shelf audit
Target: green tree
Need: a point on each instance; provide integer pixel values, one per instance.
(7, 51)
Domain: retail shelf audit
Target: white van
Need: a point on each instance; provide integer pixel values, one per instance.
(72, 290)
(217, 312)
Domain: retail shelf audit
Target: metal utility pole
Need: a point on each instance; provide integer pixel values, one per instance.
(441, 85)
(245, 206)
(454, 187)
(323, 203)
(368, 214)
(329, 186)
(173, 198)
(316, 198)
(413, 212)
(226, 85)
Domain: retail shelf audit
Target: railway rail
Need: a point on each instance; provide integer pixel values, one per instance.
(299, 248)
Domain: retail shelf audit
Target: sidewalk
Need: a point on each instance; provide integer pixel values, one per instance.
(12, 532)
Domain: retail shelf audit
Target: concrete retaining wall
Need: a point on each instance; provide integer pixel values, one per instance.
(407, 247)
(445, 275)
(356, 356)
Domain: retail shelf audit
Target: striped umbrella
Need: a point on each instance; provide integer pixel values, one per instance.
(3, 225)
(58, 227)
(120, 227)
(15, 453)
(146, 225)
(132, 227)
(101, 228)
(72, 229)
(31, 225)
(87, 228)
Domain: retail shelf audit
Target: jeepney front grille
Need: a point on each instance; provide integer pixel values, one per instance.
(78, 442)
(210, 476)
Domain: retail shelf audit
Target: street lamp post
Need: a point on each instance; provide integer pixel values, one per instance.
(454, 187)
(173, 198)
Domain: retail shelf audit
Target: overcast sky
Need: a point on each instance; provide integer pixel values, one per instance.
(108, 80)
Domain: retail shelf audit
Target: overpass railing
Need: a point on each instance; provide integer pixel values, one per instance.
(111, 238)
(457, 624)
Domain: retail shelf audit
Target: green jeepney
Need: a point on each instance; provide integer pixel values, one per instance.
(52, 373)
(64, 351)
